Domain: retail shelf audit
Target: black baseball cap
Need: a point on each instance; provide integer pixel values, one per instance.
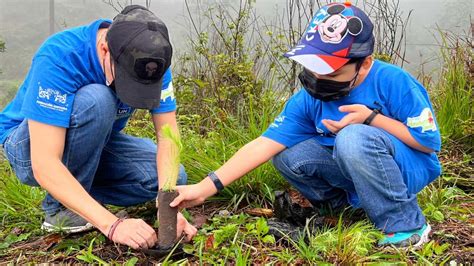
(140, 47)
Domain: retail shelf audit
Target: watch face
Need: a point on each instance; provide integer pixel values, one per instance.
(217, 182)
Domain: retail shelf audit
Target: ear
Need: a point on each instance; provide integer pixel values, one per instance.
(335, 9)
(103, 48)
(367, 63)
(354, 26)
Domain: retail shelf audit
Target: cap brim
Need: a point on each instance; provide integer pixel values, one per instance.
(316, 60)
(136, 94)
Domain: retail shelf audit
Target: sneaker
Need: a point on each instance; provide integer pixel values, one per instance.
(415, 238)
(66, 221)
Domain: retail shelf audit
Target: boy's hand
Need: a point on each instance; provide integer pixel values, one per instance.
(357, 114)
(193, 195)
(185, 227)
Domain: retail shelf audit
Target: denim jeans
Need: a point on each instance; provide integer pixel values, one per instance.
(113, 167)
(360, 169)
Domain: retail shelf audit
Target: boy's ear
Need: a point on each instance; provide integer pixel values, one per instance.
(367, 62)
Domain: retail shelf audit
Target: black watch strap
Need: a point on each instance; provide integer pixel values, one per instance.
(371, 117)
(217, 182)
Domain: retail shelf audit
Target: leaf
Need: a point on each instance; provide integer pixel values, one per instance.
(11, 239)
(269, 239)
(438, 216)
(131, 261)
(209, 243)
(250, 227)
(44, 242)
(260, 212)
(262, 227)
(189, 249)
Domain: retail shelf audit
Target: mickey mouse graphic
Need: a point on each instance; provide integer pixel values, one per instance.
(334, 28)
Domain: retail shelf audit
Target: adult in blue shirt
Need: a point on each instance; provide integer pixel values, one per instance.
(62, 130)
(360, 132)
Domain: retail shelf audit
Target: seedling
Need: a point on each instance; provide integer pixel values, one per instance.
(167, 219)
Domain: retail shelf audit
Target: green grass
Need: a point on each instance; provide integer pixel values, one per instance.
(19, 204)
(203, 154)
(454, 91)
(224, 104)
(343, 244)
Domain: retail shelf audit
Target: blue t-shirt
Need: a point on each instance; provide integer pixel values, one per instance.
(66, 62)
(387, 87)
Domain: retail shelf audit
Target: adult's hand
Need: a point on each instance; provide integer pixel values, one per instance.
(134, 233)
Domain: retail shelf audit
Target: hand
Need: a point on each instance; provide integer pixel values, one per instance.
(184, 226)
(357, 114)
(135, 233)
(193, 195)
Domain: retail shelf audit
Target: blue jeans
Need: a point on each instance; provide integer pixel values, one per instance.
(361, 170)
(113, 167)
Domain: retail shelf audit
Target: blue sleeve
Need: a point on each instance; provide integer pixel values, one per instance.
(50, 93)
(410, 104)
(293, 125)
(168, 101)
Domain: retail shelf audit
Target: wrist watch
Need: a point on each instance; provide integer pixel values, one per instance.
(217, 182)
(371, 117)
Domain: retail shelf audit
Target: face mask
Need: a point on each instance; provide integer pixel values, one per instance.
(324, 89)
(108, 83)
(111, 85)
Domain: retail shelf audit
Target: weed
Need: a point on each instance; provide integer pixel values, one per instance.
(19, 204)
(439, 201)
(88, 255)
(344, 244)
(454, 91)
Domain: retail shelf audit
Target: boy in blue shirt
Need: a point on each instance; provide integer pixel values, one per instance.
(62, 130)
(360, 132)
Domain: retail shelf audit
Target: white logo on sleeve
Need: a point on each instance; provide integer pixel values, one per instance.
(168, 93)
(51, 99)
(52, 94)
(425, 120)
(278, 121)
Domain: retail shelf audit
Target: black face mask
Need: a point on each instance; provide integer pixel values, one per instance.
(324, 89)
(112, 84)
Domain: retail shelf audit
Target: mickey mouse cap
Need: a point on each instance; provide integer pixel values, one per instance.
(337, 33)
(140, 46)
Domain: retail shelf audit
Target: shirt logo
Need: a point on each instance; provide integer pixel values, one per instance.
(51, 99)
(168, 93)
(52, 94)
(425, 120)
(278, 121)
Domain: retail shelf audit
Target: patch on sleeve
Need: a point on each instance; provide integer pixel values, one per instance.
(167, 93)
(278, 121)
(52, 99)
(425, 120)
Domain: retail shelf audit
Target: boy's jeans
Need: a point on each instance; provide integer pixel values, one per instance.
(113, 167)
(360, 166)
